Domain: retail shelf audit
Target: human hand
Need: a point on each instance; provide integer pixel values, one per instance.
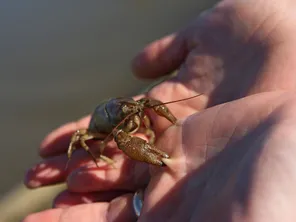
(226, 160)
(207, 68)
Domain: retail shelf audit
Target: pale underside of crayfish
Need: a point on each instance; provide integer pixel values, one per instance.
(119, 119)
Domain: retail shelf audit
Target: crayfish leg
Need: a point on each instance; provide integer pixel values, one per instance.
(81, 136)
(148, 131)
(74, 139)
(86, 148)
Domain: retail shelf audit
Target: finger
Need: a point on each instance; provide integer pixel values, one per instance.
(52, 170)
(57, 142)
(85, 176)
(119, 209)
(45, 216)
(128, 175)
(161, 57)
(67, 198)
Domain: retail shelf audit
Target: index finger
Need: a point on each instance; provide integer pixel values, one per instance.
(161, 57)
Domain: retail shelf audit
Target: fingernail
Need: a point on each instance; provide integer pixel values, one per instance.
(33, 183)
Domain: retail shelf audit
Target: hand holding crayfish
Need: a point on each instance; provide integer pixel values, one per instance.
(229, 161)
(119, 118)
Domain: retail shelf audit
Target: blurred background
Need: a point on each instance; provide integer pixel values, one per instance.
(57, 61)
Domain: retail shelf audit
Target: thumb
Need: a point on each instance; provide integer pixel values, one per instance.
(161, 57)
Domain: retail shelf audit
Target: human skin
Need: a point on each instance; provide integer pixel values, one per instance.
(231, 147)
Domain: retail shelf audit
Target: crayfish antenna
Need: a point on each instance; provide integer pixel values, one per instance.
(93, 157)
(179, 100)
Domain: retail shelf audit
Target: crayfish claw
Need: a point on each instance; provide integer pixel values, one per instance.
(159, 108)
(138, 149)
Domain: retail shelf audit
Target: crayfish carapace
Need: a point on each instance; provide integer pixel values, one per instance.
(118, 119)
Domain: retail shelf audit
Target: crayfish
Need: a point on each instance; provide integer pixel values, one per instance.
(118, 119)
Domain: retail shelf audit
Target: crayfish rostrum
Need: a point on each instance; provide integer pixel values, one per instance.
(118, 119)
